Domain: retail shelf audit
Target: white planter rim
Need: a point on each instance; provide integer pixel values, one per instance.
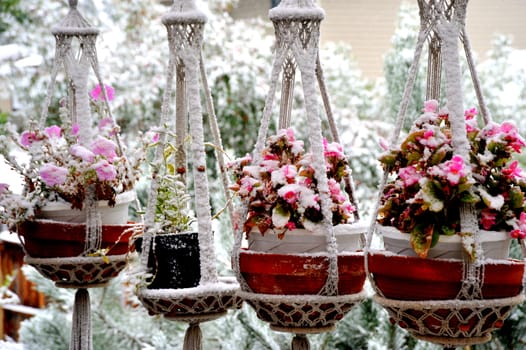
(489, 236)
(121, 198)
(305, 241)
(356, 228)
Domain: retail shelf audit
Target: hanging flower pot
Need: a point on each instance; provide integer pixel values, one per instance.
(195, 293)
(173, 260)
(299, 273)
(448, 184)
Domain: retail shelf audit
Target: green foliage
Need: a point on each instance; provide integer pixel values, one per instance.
(172, 213)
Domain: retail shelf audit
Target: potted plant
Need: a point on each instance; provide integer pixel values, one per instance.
(284, 209)
(423, 273)
(284, 219)
(421, 203)
(74, 185)
(174, 252)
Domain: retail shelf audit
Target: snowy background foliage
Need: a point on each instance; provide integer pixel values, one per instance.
(133, 52)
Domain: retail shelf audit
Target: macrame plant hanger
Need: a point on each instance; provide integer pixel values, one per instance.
(442, 24)
(297, 29)
(76, 53)
(214, 295)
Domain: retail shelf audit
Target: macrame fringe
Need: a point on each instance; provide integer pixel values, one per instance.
(81, 323)
(300, 342)
(193, 338)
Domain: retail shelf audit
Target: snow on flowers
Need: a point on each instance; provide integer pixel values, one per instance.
(61, 168)
(281, 191)
(429, 182)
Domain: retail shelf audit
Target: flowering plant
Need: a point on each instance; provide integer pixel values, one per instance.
(282, 191)
(61, 168)
(432, 182)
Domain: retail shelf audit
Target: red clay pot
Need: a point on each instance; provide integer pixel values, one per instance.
(55, 239)
(412, 278)
(288, 274)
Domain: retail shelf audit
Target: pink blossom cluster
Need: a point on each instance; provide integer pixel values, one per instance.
(430, 182)
(98, 158)
(282, 191)
(61, 166)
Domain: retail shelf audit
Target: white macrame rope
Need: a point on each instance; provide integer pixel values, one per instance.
(217, 139)
(348, 181)
(149, 219)
(202, 196)
(306, 61)
(81, 334)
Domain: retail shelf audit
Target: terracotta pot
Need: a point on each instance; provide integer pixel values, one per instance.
(304, 241)
(289, 274)
(174, 260)
(53, 239)
(411, 278)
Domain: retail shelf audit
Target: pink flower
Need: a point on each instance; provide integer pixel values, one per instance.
(511, 135)
(513, 171)
(105, 171)
(97, 95)
(336, 191)
(332, 149)
(27, 138)
(155, 137)
(290, 225)
(409, 175)
(488, 218)
(82, 152)
(247, 185)
(269, 165)
(430, 139)
(53, 175)
(455, 170)
(53, 131)
(75, 128)
(290, 193)
(104, 147)
(289, 133)
(470, 113)
(431, 106)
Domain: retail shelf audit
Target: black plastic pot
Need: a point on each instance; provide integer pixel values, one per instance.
(173, 260)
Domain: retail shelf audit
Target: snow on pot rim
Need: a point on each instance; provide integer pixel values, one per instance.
(348, 237)
(494, 243)
(116, 215)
